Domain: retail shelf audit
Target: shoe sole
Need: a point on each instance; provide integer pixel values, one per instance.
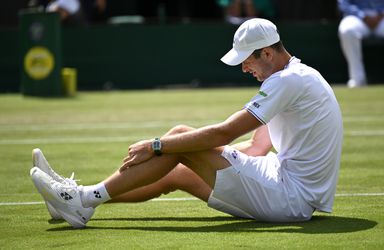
(37, 158)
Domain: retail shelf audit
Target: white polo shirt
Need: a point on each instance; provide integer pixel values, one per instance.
(306, 129)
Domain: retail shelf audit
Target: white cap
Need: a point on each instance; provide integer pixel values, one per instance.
(256, 33)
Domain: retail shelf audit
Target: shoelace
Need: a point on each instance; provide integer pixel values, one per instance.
(71, 180)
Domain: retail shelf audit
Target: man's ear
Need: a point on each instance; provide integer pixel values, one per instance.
(267, 53)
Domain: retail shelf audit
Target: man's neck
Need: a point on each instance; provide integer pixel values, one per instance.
(284, 60)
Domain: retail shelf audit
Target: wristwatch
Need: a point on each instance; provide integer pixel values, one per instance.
(156, 146)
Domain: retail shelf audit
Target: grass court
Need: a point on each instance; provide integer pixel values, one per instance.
(90, 135)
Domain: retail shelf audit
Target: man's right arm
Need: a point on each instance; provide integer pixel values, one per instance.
(200, 139)
(212, 136)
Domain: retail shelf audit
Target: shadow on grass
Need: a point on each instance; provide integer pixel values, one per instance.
(318, 225)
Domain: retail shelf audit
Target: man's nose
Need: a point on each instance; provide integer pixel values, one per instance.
(244, 68)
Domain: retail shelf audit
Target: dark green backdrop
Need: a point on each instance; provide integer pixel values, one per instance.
(147, 56)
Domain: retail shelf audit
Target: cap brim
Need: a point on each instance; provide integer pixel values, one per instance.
(235, 57)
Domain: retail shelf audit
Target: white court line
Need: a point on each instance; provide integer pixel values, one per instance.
(178, 199)
(42, 202)
(62, 140)
(363, 118)
(21, 203)
(87, 126)
(364, 133)
(359, 194)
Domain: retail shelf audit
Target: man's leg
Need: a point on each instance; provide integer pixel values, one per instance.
(74, 202)
(133, 184)
(183, 178)
(180, 178)
(204, 164)
(351, 32)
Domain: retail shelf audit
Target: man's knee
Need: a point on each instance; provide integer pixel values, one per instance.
(179, 177)
(351, 27)
(178, 129)
(174, 180)
(184, 179)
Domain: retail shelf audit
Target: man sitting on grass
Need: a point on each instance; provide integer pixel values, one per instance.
(295, 112)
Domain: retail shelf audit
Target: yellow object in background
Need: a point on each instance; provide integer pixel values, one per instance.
(38, 62)
(69, 78)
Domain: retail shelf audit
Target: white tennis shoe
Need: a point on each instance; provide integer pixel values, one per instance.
(64, 198)
(39, 160)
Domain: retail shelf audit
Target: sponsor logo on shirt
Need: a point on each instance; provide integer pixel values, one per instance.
(256, 105)
(263, 93)
(234, 154)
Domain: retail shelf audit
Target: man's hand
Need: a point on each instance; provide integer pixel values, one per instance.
(373, 21)
(138, 153)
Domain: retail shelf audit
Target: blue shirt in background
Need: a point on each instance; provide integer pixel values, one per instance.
(361, 8)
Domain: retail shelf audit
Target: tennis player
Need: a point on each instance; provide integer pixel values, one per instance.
(286, 171)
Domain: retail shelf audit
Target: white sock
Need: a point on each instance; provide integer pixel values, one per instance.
(92, 196)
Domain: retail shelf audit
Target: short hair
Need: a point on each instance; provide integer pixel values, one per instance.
(279, 47)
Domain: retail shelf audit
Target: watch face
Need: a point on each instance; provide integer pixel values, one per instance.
(156, 146)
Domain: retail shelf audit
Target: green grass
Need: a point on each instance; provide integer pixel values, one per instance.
(90, 135)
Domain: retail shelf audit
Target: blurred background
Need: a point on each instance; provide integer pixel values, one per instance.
(117, 44)
(181, 10)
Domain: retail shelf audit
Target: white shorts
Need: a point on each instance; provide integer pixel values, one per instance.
(252, 187)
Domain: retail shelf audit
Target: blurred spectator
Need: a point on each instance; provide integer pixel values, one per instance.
(167, 11)
(70, 11)
(305, 10)
(238, 11)
(94, 10)
(361, 18)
